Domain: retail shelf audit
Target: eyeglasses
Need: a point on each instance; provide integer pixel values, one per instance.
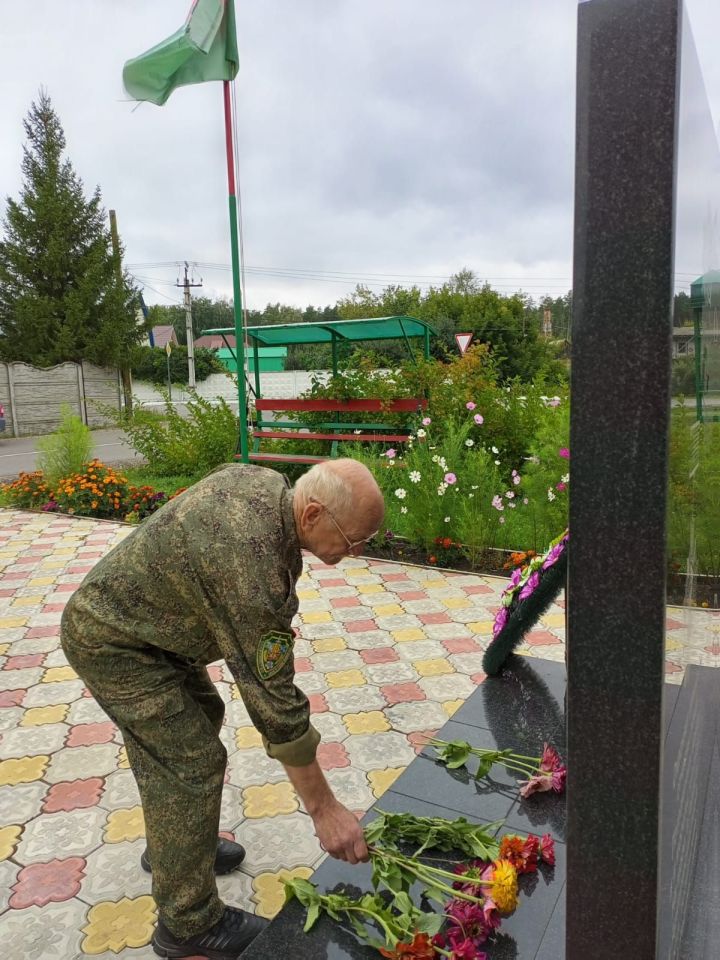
(351, 544)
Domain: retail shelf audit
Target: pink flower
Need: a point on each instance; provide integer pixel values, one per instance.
(426, 421)
(550, 759)
(537, 783)
(470, 405)
(479, 419)
(500, 620)
(466, 951)
(547, 850)
(564, 453)
(560, 486)
(497, 502)
(450, 478)
(516, 576)
(555, 402)
(532, 582)
(553, 556)
(390, 454)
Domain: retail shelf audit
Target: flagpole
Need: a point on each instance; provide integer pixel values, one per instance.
(237, 296)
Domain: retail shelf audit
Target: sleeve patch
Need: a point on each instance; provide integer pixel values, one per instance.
(273, 652)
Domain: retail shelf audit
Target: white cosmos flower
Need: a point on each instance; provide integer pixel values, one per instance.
(469, 442)
(400, 493)
(415, 476)
(403, 509)
(447, 520)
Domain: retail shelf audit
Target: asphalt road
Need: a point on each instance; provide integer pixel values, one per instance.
(110, 446)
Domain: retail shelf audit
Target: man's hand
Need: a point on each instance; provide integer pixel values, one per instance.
(340, 834)
(337, 829)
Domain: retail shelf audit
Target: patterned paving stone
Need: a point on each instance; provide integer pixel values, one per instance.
(79, 762)
(377, 751)
(254, 766)
(422, 715)
(113, 871)
(287, 840)
(76, 833)
(38, 933)
(119, 791)
(355, 699)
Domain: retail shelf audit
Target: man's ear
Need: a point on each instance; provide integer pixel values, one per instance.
(311, 513)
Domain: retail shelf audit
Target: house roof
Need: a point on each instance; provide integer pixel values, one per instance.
(214, 341)
(164, 334)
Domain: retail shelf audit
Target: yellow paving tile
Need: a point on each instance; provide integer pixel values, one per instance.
(410, 633)
(41, 581)
(346, 678)
(113, 926)
(456, 603)
(432, 584)
(371, 588)
(247, 737)
(372, 721)
(452, 706)
(481, 626)
(356, 572)
(269, 800)
(123, 762)
(388, 610)
(234, 692)
(269, 892)
(321, 616)
(11, 622)
(9, 837)
(329, 645)
(381, 780)
(308, 594)
(4, 647)
(553, 619)
(24, 770)
(432, 668)
(671, 644)
(28, 601)
(36, 716)
(53, 564)
(125, 825)
(55, 674)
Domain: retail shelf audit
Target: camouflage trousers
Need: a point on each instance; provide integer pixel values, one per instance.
(175, 753)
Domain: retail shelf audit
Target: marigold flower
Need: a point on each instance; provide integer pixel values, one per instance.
(420, 949)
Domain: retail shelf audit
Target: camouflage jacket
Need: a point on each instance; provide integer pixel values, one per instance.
(211, 575)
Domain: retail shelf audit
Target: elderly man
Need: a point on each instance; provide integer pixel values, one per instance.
(212, 575)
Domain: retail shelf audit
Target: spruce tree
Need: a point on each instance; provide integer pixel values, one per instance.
(62, 296)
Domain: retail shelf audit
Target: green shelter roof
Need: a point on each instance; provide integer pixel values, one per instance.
(371, 328)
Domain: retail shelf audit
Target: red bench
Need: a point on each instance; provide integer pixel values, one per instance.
(339, 429)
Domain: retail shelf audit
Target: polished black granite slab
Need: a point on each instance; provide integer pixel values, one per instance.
(522, 708)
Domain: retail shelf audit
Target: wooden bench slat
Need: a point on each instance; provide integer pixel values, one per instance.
(290, 435)
(286, 457)
(327, 425)
(403, 405)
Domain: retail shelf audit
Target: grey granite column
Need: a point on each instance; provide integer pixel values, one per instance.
(626, 132)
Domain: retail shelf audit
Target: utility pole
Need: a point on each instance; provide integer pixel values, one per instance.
(188, 326)
(124, 364)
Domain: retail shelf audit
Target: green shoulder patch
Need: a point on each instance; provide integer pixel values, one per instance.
(272, 653)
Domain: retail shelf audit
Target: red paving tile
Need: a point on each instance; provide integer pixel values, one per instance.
(477, 588)
(379, 655)
(412, 595)
(318, 704)
(332, 755)
(461, 645)
(51, 630)
(402, 693)
(433, 618)
(303, 665)
(345, 602)
(539, 638)
(86, 734)
(21, 663)
(12, 698)
(360, 626)
(41, 883)
(73, 795)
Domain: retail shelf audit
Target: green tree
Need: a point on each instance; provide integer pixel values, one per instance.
(62, 293)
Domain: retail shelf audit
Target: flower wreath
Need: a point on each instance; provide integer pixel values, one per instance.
(531, 591)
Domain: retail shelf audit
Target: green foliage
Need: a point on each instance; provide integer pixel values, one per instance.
(472, 839)
(66, 450)
(192, 445)
(61, 295)
(151, 363)
(683, 377)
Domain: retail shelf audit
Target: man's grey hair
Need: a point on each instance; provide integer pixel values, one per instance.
(324, 485)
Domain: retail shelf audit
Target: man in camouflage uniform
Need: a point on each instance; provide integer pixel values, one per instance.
(212, 575)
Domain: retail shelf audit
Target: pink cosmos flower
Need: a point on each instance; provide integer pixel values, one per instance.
(450, 478)
(390, 454)
(470, 405)
(479, 419)
(547, 850)
(564, 453)
(426, 421)
(497, 502)
(560, 486)
(555, 402)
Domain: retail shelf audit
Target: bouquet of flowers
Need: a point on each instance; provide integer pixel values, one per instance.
(532, 589)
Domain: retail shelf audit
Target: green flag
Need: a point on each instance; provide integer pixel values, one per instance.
(205, 48)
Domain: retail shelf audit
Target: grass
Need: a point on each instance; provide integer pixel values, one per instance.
(141, 476)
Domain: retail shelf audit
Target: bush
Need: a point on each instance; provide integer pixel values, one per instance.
(175, 444)
(66, 450)
(151, 363)
(29, 492)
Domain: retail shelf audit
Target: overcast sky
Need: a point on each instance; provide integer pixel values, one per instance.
(380, 140)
